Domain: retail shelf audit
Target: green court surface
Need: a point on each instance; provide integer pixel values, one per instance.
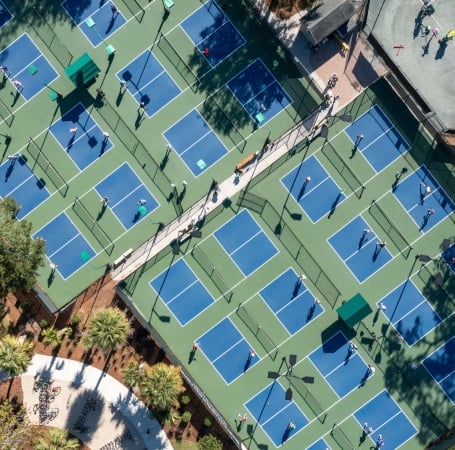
(136, 140)
(302, 244)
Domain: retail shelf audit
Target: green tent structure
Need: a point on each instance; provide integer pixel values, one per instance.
(354, 310)
(82, 71)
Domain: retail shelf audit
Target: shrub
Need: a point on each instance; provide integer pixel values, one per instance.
(186, 417)
(207, 422)
(185, 400)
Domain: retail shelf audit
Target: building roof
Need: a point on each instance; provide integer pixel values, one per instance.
(325, 18)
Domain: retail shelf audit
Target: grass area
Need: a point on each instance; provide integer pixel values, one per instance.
(183, 444)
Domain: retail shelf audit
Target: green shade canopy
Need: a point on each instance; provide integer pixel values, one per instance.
(82, 70)
(354, 310)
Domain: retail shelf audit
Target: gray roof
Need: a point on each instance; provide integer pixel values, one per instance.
(325, 18)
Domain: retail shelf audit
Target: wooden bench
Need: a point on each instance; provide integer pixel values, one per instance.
(240, 167)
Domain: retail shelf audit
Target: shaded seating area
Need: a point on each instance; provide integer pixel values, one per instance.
(354, 310)
(82, 71)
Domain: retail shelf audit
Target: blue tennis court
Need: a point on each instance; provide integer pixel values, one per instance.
(27, 65)
(129, 199)
(88, 143)
(360, 250)
(410, 312)
(245, 242)
(149, 83)
(95, 18)
(449, 257)
(291, 301)
(182, 292)
(228, 350)
(319, 445)
(259, 92)
(340, 365)
(212, 33)
(441, 366)
(387, 419)
(317, 197)
(65, 245)
(412, 195)
(273, 413)
(195, 142)
(17, 180)
(5, 14)
(382, 143)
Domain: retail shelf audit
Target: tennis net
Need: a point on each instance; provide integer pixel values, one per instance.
(393, 233)
(302, 389)
(209, 268)
(6, 114)
(259, 332)
(90, 222)
(177, 61)
(135, 9)
(343, 169)
(48, 168)
(221, 110)
(47, 34)
(341, 439)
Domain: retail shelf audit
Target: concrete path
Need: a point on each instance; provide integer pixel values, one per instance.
(92, 405)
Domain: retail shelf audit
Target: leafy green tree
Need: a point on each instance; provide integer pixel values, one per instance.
(107, 330)
(15, 354)
(131, 374)
(161, 385)
(209, 442)
(21, 256)
(56, 439)
(15, 430)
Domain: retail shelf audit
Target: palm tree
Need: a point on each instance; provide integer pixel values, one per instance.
(107, 330)
(15, 356)
(131, 374)
(161, 385)
(56, 439)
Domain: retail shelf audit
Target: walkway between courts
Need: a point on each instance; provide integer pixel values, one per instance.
(91, 405)
(226, 190)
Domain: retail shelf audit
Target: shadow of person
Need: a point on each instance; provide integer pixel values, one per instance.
(286, 434)
(334, 205)
(10, 168)
(353, 151)
(16, 97)
(295, 291)
(302, 191)
(311, 311)
(376, 316)
(248, 363)
(192, 356)
(377, 250)
(50, 278)
(103, 147)
(102, 211)
(119, 98)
